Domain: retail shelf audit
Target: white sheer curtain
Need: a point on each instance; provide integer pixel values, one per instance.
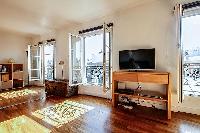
(178, 13)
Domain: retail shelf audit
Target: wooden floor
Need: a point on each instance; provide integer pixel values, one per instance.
(21, 95)
(104, 119)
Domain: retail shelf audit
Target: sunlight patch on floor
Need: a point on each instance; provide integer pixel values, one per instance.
(22, 124)
(62, 113)
(20, 93)
(189, 128)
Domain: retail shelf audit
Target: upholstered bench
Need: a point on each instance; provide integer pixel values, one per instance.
(60, 87)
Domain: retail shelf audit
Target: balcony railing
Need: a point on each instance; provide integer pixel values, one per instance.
(94, 74)
(191, 79)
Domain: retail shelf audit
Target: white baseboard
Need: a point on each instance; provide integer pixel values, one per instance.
(190, 110)
(94, 91)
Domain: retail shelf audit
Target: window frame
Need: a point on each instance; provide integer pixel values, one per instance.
(105, 30)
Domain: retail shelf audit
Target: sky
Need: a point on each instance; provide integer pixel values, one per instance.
(191, 32)
(94, 48)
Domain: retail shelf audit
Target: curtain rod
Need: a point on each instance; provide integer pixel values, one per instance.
(94, 28)
(191, 5)
(50, 40)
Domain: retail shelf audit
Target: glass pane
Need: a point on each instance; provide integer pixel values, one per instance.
(49, 61)
(76, 76)
(108, 60)
(35, 74)
(35, 63)
(76, 59)
(191, 55)
(35, 58)
(94, 59)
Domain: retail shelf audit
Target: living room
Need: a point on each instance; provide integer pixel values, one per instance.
(28, 27)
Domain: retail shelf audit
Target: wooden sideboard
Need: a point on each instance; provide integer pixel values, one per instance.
(162, 78)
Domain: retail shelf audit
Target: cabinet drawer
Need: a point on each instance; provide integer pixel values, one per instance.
(153, 78)
(125, 77)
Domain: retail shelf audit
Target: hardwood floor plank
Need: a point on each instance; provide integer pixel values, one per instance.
(103, 118)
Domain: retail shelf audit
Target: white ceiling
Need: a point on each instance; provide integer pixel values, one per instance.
(43, 16)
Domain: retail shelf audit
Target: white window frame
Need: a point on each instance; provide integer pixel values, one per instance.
(105, 30)
(42, 58)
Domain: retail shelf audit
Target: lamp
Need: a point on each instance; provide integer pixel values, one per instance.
(62, 63)
(11, 60)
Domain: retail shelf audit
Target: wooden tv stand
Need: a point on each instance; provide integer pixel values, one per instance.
(162, 78)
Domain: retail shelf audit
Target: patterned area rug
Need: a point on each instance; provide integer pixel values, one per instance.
(62, 113)
(22, 124)
(14, 94)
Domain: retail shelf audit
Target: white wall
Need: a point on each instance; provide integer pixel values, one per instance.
(14, 45)
(146, 26)
(62, 53)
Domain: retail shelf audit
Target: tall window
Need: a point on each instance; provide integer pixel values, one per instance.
(49, 61)
(41, 61)
(191, 52)
(90, 56)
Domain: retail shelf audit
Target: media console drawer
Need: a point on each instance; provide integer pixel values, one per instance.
(153, 78)
(142, 77)
(125, 77)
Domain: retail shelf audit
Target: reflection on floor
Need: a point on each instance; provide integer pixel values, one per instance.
(19, 93)
(20, 96)
(22, 124)
(186, 127)
(62, 113)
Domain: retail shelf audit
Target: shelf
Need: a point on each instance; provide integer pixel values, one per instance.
(148, 113)
(12, 76)
(18, 79)
(143, 97)
(18, 72)
(6, 81)
(4, 72)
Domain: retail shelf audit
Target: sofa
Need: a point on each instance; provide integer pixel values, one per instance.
(60, 87)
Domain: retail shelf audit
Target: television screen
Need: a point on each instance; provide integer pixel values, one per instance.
(137, 59)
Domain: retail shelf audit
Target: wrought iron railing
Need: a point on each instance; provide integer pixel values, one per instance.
(191, 79)
(94, 74)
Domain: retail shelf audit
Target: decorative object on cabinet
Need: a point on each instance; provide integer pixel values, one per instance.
(11, 60)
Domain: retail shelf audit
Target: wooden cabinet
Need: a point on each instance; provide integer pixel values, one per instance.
(11, 76)
(162, 78)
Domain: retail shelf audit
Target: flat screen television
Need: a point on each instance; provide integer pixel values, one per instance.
(140, 59)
